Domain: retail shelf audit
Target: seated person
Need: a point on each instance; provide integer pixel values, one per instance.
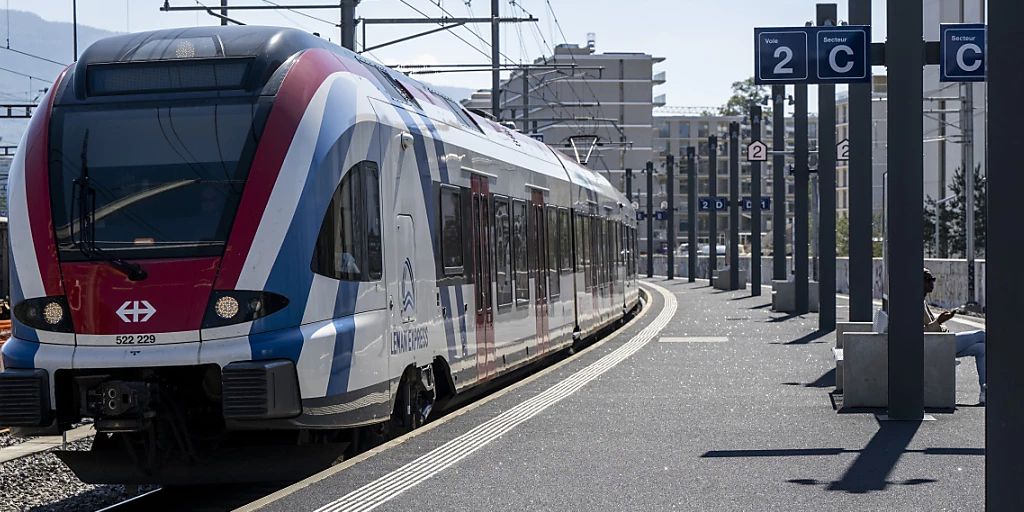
(970, 343)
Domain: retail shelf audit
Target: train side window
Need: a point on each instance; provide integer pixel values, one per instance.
(451, 231)
(349, 245)
(564, 235)
(503, 250)
(554, 286)
(519, 259)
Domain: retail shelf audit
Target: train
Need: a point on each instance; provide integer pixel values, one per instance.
(246, 239)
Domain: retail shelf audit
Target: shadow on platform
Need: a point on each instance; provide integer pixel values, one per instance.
(870, 471)
(827, 380)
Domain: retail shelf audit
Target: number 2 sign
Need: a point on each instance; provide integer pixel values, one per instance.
(782, 55)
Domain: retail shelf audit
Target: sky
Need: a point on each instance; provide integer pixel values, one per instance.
(707, 44)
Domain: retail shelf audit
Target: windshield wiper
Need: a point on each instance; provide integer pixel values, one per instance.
(82, 190)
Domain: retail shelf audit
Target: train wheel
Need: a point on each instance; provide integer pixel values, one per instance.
(414, 403)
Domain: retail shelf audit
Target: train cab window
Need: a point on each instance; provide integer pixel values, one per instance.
(451, 230)
(519, 258)
(503, 250)
(349, 245)
(554, 288)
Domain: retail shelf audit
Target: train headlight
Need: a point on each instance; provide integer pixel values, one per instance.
(226, 307)
(53, 313)
(45, 313)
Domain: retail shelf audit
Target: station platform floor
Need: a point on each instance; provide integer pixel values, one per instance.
(706, 401)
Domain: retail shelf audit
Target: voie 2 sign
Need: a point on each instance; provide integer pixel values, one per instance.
(812, 54)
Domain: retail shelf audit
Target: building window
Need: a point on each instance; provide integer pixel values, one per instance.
(684, 130)
(451, 230)
(349, 245)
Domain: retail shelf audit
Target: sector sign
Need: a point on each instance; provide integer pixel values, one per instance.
(812, 55)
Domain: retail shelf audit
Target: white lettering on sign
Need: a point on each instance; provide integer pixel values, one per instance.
(833, 61)
(781, 68)
(964, 39)
(769, 40)
(836, 39)
(961, 54)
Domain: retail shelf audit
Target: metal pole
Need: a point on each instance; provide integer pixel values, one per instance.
(224, 12)
(495, 61)
(650, 219)
(691, 206)
(967, 152)
(755, 201)
(670, 168)
(904, 58)
(800, 199)
(826, 251)
(629, 184)
(1004, 415)
(526, 102)
(348, 24)
(779, 183)
(74, 27)
(734, 206)
(713, 213)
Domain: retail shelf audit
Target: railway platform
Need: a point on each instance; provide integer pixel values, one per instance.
(707, 400)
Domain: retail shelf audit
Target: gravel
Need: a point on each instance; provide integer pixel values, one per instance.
(6, 439)
(41, 482)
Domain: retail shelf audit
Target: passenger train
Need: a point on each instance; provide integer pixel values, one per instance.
(222, 236)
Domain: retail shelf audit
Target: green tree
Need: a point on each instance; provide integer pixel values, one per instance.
(953, 218)
(843, 236)
(744, 93)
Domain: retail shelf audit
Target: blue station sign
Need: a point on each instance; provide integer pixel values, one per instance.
(641, 215)
(962, 52)
(747, 204)
(660, 215)
(705, 204)
(812, 55)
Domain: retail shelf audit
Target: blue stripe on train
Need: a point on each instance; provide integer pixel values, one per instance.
(442, 165)
(430, 205)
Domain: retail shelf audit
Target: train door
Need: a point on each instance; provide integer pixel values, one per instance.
(538, 235)
(483, 270)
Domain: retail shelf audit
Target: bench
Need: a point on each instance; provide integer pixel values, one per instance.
(842, 328)
(865, 379)
(720, 279)
(784, 296)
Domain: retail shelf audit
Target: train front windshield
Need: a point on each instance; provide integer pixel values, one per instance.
(149, 181)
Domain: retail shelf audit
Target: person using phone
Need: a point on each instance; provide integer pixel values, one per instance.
(969, 343)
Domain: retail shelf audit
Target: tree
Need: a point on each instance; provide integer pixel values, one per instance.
(744, 93)
(953, 218)
(843, 236)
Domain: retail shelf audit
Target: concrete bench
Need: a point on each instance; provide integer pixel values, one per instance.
(865, 380)
(721, 279)
(842, 329)
(784, 296)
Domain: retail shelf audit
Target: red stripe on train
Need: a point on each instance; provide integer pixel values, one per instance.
(302, 82)
(37, 191)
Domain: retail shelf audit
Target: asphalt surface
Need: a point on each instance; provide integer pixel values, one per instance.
(698, 424)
